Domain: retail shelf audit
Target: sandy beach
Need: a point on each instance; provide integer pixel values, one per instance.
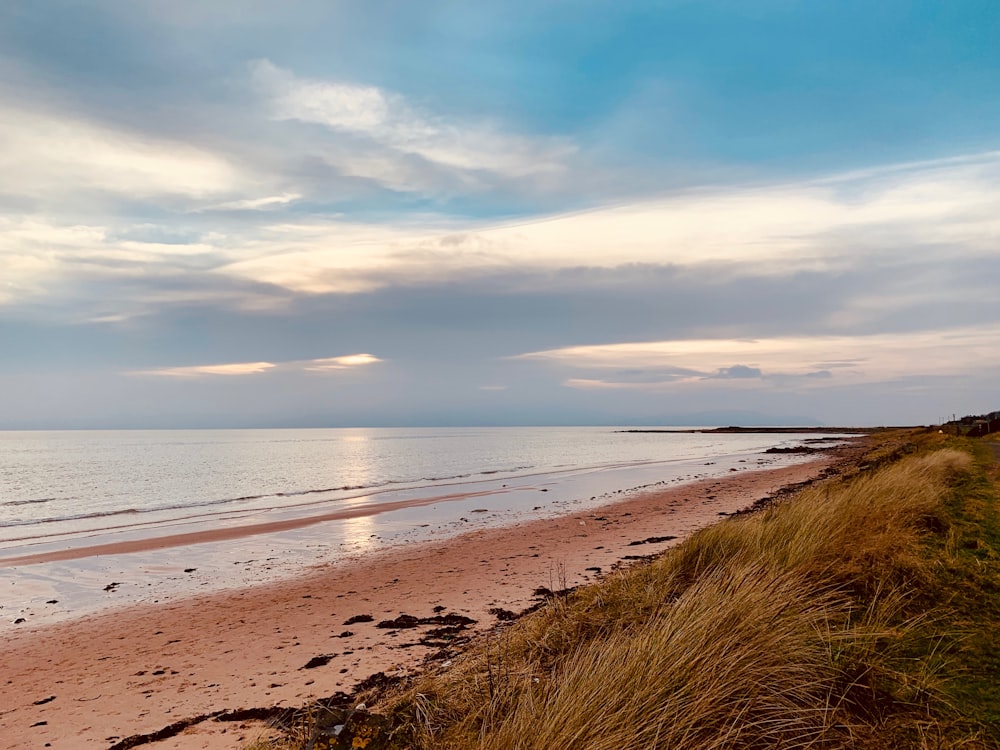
(93, 682)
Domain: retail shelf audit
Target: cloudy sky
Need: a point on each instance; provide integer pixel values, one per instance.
(250, 213)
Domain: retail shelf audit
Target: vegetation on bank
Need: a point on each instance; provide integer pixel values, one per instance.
(860, 613)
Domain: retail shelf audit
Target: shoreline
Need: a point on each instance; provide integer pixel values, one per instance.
(49, 580)
(184, 539)
(733, 430)
(137, 670)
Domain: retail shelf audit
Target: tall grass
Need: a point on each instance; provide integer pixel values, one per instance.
(739, 646)
(784, 629)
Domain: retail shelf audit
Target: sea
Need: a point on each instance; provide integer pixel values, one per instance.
(339, 493)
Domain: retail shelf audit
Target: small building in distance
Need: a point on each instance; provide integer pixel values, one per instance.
(974, 425)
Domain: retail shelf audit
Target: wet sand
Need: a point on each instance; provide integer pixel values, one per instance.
(150, 543)
(92, 682)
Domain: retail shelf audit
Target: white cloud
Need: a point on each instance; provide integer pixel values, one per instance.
(326, 364)
(345, 257)
(232, 368)
(340, 363)
(59, 266)
(398, 127)
(41, 260)
(258, 204)
(897, 215)
(47, 155)
(807, 360)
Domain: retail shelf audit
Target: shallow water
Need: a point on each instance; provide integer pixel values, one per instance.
(71, 490)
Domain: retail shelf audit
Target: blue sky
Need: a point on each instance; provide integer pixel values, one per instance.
(318, 213)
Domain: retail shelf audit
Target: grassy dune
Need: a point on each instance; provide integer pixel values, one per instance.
(859, 613)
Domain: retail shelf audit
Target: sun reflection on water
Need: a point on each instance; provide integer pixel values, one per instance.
(359, 533)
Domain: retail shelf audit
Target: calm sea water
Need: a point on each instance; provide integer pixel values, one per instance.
(341, 493)
(53, 482)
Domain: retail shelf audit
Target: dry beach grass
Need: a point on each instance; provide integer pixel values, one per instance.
(823, 621)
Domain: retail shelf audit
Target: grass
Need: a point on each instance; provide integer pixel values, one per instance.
(969, 585)
(860, 613)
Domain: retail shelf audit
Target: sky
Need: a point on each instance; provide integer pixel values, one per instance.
(317, 213)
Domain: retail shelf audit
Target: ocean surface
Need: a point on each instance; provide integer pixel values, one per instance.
(66, 490)
(72, 481)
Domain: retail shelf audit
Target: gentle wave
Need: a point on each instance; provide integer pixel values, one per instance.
(15, 503)
(75, 517)
(233, 500)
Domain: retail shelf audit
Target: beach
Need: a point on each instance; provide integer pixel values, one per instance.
(95, 681)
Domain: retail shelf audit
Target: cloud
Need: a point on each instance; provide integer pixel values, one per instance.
(894, 217)
(100, 270)
(397, 128)
(878, 357)
(340, 363)
(49, 155)
(923, 219)
(601, 384)
(257, 204)
(235, 368)
(326, 364)
(737, 372)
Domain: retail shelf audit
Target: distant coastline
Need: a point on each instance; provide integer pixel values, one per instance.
(768, 430)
